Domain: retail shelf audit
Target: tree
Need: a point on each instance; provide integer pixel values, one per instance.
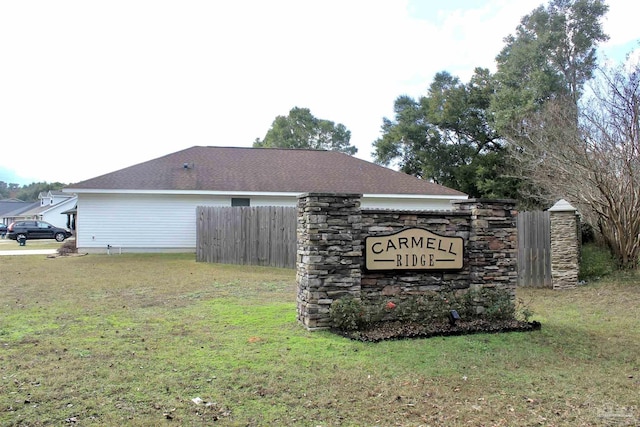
(594, 161)
(300, 129)
(7, 188)
(551, 55)
(455, 135)
(446, 137)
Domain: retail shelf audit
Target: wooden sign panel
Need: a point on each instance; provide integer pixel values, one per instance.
(414, 249)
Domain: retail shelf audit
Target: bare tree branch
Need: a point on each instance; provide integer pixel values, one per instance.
(590, 157)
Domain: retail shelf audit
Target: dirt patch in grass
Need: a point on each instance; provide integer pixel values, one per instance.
(405, 330)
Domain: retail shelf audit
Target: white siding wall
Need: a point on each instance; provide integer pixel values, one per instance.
(272, 201)
(139, 221)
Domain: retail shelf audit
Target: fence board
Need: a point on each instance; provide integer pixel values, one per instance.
(534, 249)
(263, 235)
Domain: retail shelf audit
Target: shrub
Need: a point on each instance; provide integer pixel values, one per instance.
(499, 305)
(68, 247)
(348, 314)
(492, 304)
(422, 309)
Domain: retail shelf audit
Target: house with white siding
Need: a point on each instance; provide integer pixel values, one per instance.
(151, 206)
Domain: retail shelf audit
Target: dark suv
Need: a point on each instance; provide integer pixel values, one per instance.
(36, 230)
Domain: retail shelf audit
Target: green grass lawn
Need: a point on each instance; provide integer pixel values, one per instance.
(147, 340)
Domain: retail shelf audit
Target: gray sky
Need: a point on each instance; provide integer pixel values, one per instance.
(89, 87)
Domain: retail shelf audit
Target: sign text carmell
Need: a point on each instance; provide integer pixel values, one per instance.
(414, 249)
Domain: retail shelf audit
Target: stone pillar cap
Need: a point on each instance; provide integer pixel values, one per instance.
(562, 206)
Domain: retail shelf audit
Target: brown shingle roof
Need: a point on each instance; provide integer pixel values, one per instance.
(263, 170)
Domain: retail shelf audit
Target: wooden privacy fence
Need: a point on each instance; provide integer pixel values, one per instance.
(264, 235)
(534, 249)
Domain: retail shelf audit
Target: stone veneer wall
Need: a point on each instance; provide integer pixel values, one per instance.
(493, 243)
(565, 249)
(330, 264)
(329, 254)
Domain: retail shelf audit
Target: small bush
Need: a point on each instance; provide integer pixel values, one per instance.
(596, 261)
(500, 306)
(348, 314)
(423, 309)
(497, 304)
(68, 247)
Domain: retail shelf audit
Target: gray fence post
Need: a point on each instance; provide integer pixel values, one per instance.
(565, 246)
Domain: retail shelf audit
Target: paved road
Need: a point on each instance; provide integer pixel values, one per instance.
(29, 252)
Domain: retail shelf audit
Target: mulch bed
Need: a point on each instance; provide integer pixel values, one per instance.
(403, 330)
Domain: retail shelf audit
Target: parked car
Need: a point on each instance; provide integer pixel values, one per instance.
(3, 230)
(36, 230)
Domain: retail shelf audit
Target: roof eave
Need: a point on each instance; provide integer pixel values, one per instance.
(258, 193)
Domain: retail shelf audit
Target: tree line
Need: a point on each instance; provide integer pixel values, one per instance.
(27, 193)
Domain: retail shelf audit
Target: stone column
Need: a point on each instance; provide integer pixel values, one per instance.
(492, 249)
(329, 254)
(565, 247)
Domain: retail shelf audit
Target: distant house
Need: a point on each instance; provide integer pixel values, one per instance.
(12, 208)
(151, 206)
(50, 208)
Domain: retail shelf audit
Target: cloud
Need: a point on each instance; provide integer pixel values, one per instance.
(620, 23)
(97, 86)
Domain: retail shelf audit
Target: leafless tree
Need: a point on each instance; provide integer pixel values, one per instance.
(591, 157)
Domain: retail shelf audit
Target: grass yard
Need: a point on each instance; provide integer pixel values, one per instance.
(152, 340)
